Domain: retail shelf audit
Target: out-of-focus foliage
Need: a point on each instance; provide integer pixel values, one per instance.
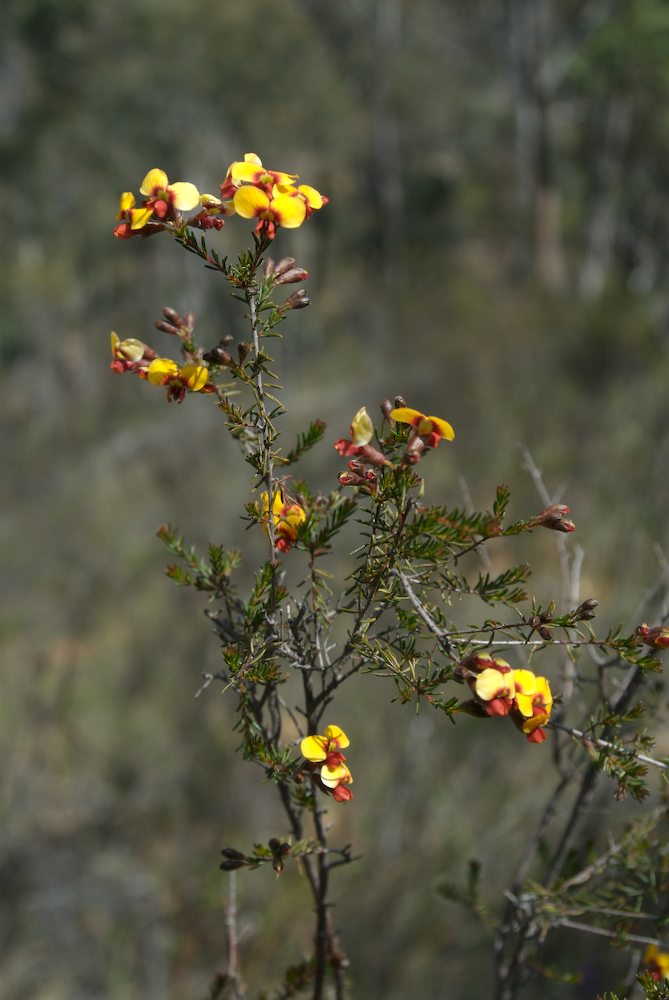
(497, 239)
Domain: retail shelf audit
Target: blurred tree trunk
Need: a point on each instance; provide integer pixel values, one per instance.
(386, 154)
(611, 132)
(529, 31)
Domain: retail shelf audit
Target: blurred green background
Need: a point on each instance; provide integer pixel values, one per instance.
(496, 249)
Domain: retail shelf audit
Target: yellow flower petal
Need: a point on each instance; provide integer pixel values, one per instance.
(186, 195)
(524, 703)
(247, 171)
(160, 369)
(333, 776)
(405, 415)
(130, 349)
(543, 693)
(115, 341)
(209, 201)
(314, 198)
(443, 428)
(362, 428)
(195, 376)
(155, 178)
(335, 733)
(250, 202)
(126, 202)
(253, 158)
(313, 748)
(526, 682)
(534, 723)
(139, 217)
(492, 683)
(289, 212)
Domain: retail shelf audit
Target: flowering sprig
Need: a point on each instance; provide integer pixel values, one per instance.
(393, 610)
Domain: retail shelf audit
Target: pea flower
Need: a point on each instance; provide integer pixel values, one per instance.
(162, 201)
(426, 432)
(326, 750)
(287, 516)
(361, 431)
(178, 380)
(533, 704)
(129, 354)
(495, 687)
(656, 963)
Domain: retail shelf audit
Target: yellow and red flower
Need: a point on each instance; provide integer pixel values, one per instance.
(287, 516)
(178, 379)
(130, 354)
(426, 432)
(334, 774)
(533, 704)
(656, 963)
(495, 687)
(362, 432)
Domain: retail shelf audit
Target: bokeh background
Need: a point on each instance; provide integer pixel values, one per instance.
(497, 250)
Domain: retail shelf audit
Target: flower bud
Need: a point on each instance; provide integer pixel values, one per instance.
(554, 517)
(242, 350)
(545, 633)
(284, 265)
(656, 636)
(298, 300)
(400, 401)
(292, 275)
(231, 866)
(269, 267)
(233, 859)
(386, 407)
(218, 355)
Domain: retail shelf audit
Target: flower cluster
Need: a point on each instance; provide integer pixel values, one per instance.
(163, 202)
(132, 355)
(498, 689)
(249, 190)
(287, 516)
(426, 432)
(333, 776)
(270, 196)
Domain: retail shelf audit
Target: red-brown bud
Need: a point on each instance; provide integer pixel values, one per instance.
(292, 275)
(218, 356)
(657, 636)
(284, 265)
(242, 350)
(233, 859)
(269, 267)
(554, 517)
(298, 300)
